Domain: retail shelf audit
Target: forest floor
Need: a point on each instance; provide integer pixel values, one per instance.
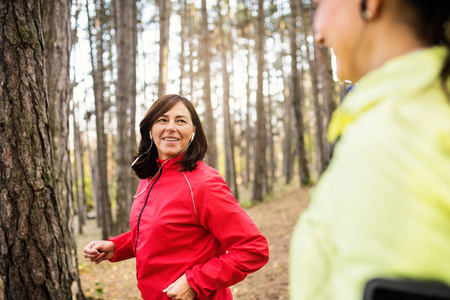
(275, 217)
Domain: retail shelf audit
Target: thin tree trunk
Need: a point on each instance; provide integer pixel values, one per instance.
(288, 156)
(230, 168)
(101, 153)
(92, 168)
(260, 149)
(296, 99)
(314, 75)
(102, 141)
(191, 12)
(328, 92)
(210, 127)
(126, 69)
(76, 195)
(270, 143)
(132, 104)
(165, 11)
(34, 262)
(183, 36)
(80, 172)
(78, 151)
(248, 130)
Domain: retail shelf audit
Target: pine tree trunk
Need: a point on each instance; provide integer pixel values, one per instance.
(230, 168)
(80, 172)
(260, 149)
(328, 92)
(76, 197)
(58, 44)
(126, 67)
(183, 36)
(34, 262)
(92, 168)
(296, 99)
(270, 142)
(101, 152)
(288, 156)
(210, 127)
(191, 13)
(165, 11)
(314, 74)
(132, 104)
(249, 144)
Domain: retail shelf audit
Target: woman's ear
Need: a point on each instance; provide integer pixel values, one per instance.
(371, 9)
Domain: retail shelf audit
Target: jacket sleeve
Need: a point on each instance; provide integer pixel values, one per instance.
(247, 249)
(123, 247)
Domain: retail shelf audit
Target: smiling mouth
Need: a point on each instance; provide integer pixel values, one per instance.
(170, 139)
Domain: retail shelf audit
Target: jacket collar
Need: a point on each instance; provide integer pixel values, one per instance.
(400, 76)
(172, 163)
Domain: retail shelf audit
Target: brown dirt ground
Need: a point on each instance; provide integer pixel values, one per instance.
(275, 217)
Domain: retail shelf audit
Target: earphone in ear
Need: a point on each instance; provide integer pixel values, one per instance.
(192, 138)
(150, 133)
(367, 14)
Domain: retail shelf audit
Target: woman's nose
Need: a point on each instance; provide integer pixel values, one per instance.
(170, 126)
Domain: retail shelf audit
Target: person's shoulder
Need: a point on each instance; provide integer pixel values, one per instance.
(203, 168)
(206, 174)
(425, 115)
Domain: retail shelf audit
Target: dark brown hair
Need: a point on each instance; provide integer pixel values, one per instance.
(147, 166)
(431, 24)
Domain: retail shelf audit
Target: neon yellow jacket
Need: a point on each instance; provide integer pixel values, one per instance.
(382, 208)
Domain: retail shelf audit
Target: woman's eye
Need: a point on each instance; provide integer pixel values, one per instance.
(161, 120)
(182, 121)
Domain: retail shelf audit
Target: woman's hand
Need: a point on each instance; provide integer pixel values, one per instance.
(180, 290)
(98, 251)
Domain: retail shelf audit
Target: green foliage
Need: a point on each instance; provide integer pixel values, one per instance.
(98, 289)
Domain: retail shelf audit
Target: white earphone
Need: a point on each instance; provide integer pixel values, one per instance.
(150, 134)
(192, 138)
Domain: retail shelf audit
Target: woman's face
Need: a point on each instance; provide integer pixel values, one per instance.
(173, 131)
(338, 25)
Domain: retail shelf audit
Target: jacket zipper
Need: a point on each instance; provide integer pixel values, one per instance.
(142, 210)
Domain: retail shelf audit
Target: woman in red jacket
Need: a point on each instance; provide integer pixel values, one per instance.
(190, 237)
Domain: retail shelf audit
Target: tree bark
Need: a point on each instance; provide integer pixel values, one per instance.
(210, 127)
(99, 88)
(126, 69)
(314, 75)
(183, 37)
(58, 44)
(296, 99)
(92, 168)
(288, 155)
(249, 142)
(230, 168)
(191, 12)
(328, 92)
(34, 262)
(165, 11)
(80, 172)
(270, 142)
(260, 149)
(133, 138)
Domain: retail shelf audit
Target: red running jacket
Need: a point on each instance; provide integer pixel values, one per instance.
(206, 234)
